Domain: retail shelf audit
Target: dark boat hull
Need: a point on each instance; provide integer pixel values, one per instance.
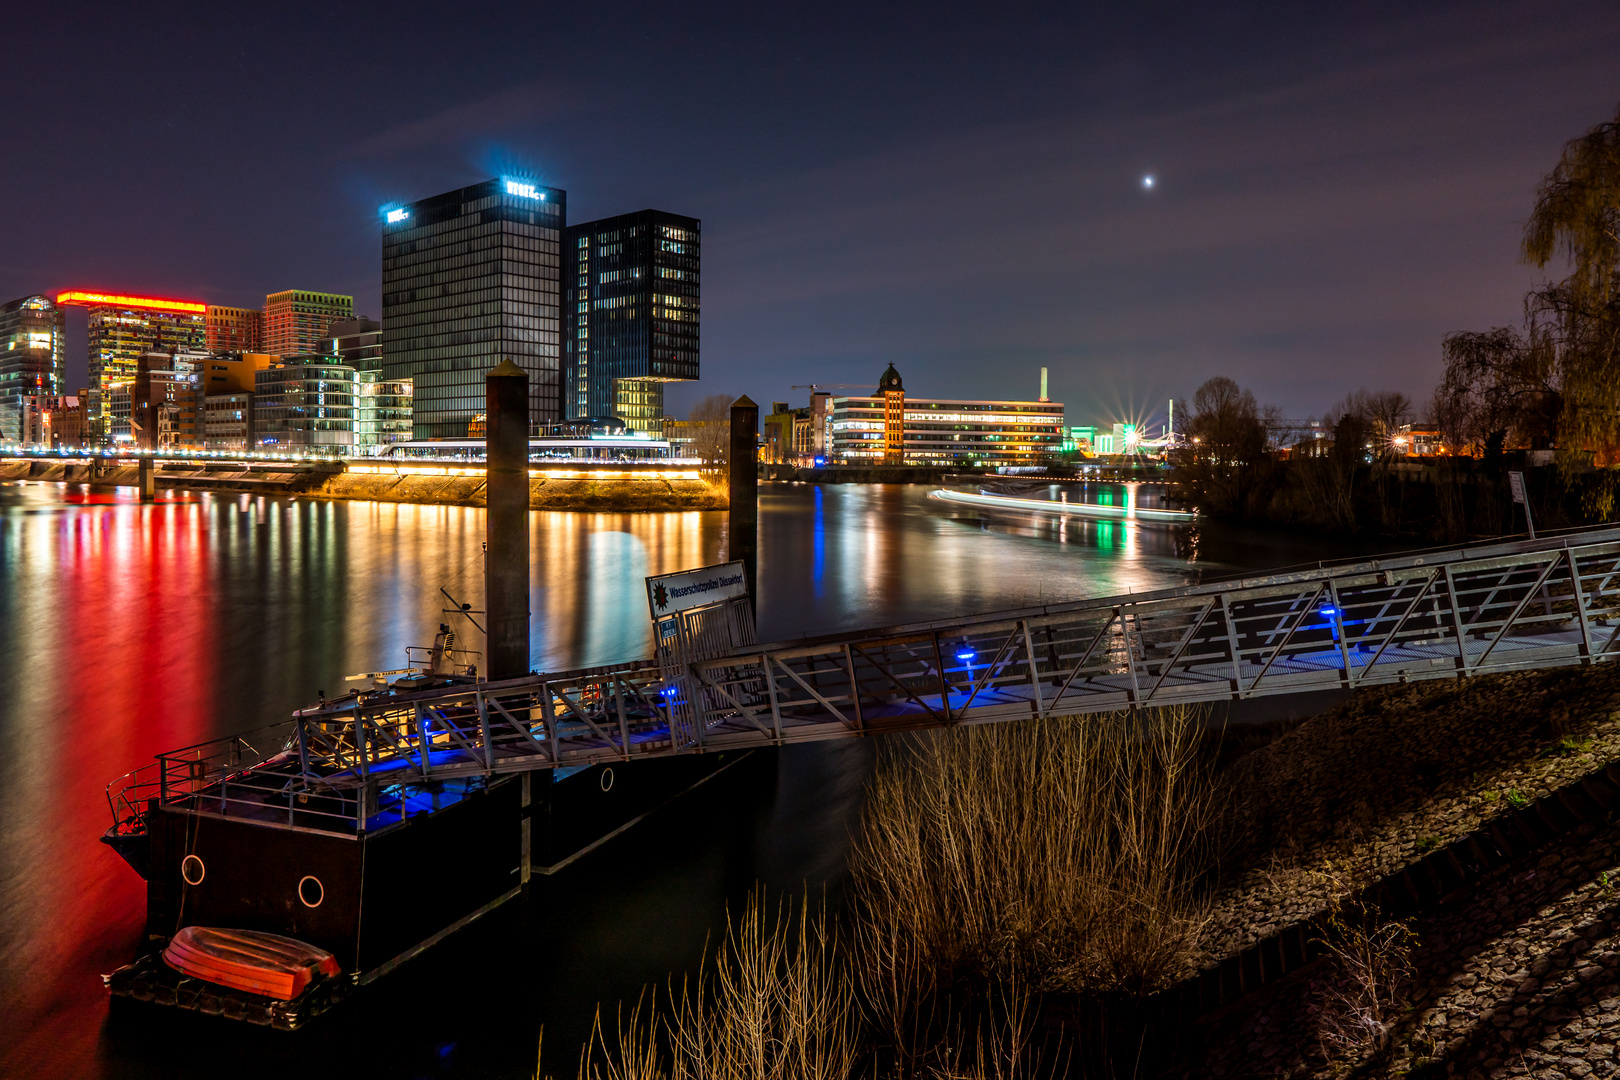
(383, 896)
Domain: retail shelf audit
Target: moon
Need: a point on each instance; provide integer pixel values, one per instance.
(1147, 182)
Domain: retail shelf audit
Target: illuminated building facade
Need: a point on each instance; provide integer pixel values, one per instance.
(383, 411)
(305, 403)
(161, 407)
(121, 329)
(471, 278)
(228, 421)
(630, 315)
(295, 321)
(892, 428)
(32, 332)
(235, 329)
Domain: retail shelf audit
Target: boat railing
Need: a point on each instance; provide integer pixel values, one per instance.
(440, 661)
(176, 774)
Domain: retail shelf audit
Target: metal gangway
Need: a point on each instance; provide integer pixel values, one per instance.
(1494, 607)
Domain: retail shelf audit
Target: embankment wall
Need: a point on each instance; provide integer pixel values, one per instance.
(615, 494)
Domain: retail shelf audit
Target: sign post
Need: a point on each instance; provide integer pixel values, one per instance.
(670, 593)
(1516, 483)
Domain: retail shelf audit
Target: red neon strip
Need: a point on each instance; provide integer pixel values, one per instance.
(149, 303)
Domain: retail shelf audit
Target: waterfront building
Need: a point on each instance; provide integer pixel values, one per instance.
(383, 411)
(228, 421)
(233, 373)
(630, 315)
(121, 329)
(32, 350)
(305, 403)
(889, 427)
(471, 278)
(357, 341)
(234, 329)
(1081, 439)
(295, 320)
(48, 421)
(821, 441)
(788, 435)
(161, 406)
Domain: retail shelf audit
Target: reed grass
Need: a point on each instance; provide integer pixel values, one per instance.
(774, 1002)
(993, 865)
(1063, 855)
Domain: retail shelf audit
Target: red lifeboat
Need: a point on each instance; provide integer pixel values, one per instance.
(268, 964)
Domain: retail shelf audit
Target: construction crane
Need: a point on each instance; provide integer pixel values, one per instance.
(836, 386)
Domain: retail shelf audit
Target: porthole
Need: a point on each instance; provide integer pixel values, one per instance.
(193, 870)
(310, 891)
(607, 779)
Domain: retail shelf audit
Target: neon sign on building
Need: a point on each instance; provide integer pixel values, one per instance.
(143, 303)
(396, 216)
(523, 191)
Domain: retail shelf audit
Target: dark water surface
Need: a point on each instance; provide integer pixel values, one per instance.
(128, 629)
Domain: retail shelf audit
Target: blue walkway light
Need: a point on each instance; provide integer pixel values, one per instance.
(966, 654)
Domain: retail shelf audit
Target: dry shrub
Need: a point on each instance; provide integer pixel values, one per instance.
(773, 1003)
(1369, 967)
(1063, 855)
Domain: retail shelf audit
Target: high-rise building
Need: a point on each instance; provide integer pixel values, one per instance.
(470, 278)
(295, 321)
(358, 341)
(235, 329)
(121, 329)
(630, 315)
(31, 358)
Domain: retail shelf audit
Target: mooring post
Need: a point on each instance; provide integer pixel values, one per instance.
(506, 555)
(743, 463)
(146, 478)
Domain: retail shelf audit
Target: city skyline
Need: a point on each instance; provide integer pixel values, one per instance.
(1333, 191)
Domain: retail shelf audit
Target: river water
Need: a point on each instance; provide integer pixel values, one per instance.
(128, 629)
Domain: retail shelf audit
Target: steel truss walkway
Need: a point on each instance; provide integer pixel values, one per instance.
(1430, 615)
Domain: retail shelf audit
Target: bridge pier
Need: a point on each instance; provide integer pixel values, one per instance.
(146, 478)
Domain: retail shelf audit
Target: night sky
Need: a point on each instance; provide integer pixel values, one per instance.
(957, 191)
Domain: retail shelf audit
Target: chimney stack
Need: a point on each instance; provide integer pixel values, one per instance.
(1043, 386)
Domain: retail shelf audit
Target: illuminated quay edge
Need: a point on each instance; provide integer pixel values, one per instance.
(1076, 509)
(145, 303)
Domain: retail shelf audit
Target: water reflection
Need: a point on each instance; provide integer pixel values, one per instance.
(131, 628)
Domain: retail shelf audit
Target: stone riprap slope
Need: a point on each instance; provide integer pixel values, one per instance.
(1358, 792)
(1517, 976)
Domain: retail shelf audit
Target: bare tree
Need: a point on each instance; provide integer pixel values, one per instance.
(711, 440)
(1220, 464)
(1499, 386)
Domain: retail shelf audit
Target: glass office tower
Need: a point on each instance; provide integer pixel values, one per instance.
(31, 358)
(630, 315)
(470, 278)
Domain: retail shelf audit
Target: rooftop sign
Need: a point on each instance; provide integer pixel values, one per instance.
(524, 191)
(145, 303)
